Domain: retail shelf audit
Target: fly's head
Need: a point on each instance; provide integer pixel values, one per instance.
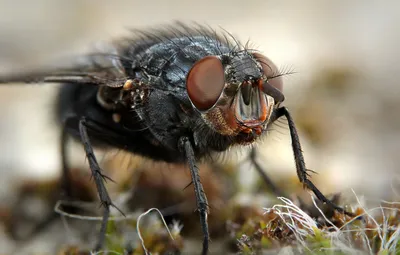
(235, 93)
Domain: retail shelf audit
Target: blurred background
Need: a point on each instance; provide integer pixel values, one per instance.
(344, 95)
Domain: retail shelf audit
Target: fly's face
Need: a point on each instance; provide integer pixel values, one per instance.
(236, 93)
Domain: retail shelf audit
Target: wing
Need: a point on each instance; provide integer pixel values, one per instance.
(104, 66)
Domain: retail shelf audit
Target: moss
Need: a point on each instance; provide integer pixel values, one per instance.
(287, 225)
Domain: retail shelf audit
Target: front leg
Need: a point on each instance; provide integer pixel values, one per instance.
(201, 199)
(299, 160)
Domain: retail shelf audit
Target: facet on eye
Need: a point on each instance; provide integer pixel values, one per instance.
(205, 82)
(270, 70)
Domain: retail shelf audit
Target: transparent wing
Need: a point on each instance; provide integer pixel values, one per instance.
(102, 67)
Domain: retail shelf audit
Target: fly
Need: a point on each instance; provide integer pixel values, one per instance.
(172, 95)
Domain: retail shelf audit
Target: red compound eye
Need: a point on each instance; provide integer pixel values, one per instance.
(270, 70)
(205, 82)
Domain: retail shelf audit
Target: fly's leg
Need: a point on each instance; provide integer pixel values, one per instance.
(201, 199)
(270, 184)
(65, 191)
(99, 179)
(65, 178)
(275, 189)
(300, 163)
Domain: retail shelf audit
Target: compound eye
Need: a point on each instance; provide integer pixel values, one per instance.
(205, 82)
(270, 70)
